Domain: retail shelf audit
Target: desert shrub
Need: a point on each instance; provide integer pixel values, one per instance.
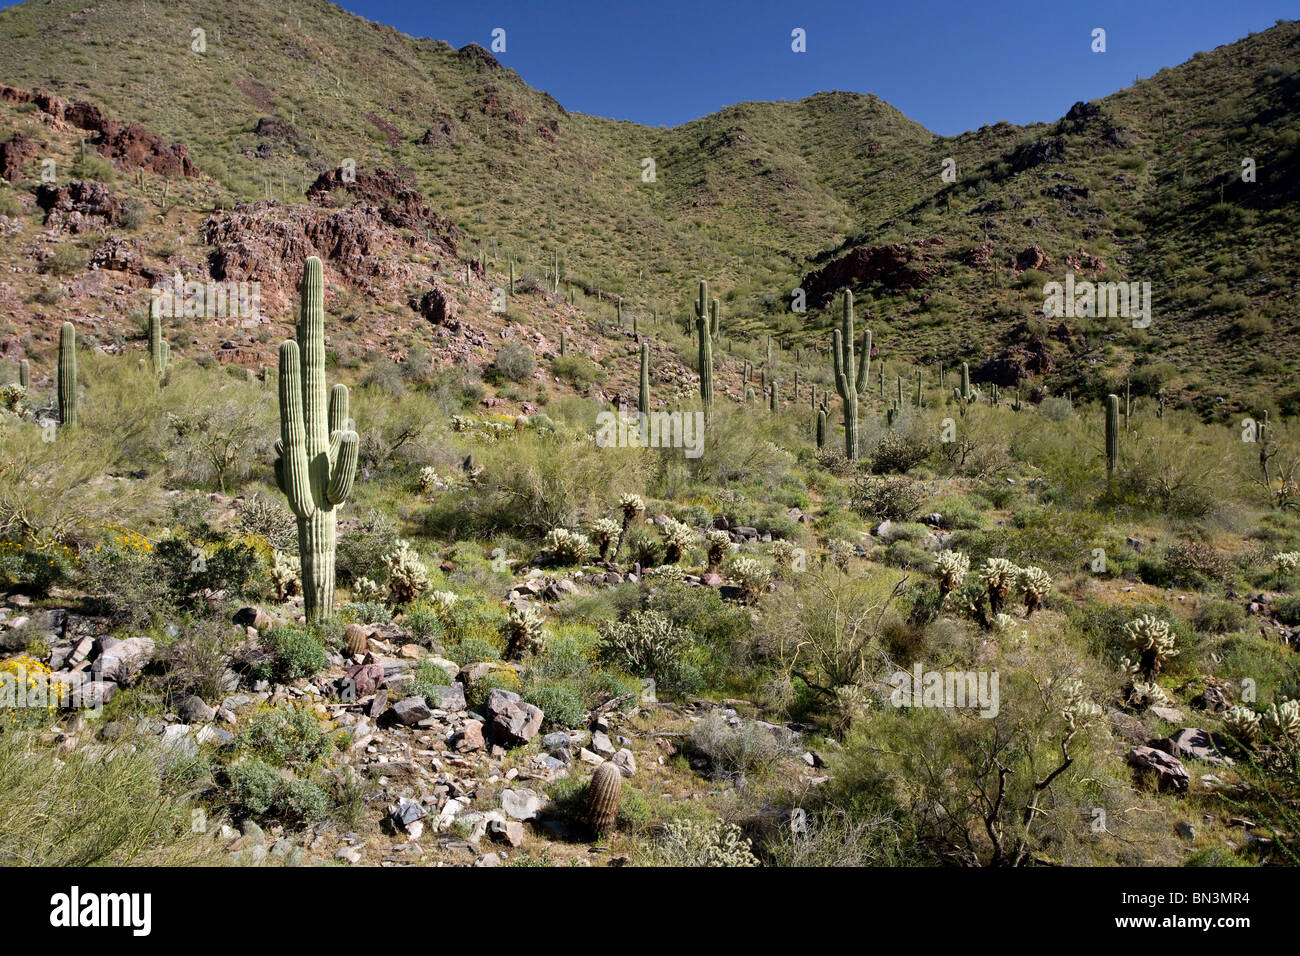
(293, 652)
(289, 736)
(1056, 409)
(197, 660)
(560, 702)
(898, 452)
(514, 362)
(425, 624)
(258, 788)
(695, 843)
(734, 752)
(578, 371)
(66, 260)
(33, 566)
(362, 548)
(1219, 617)
(188, 569)
(887, 499)
(121, 583)
(648, 644)
(1287, 610)
(1196, 563)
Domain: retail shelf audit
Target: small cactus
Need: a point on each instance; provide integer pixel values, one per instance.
(25, 374)
(567, 547)
(1243, 725)
(998, 576)
(1112, 435)
(951, 568)
(1153, 643)
(408, 577)
(677, 539)
(355, 639)
(1281, 723)
(605, 532)
(604, 794)
(718, 544)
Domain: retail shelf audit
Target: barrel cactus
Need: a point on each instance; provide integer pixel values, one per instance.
(354, 639)
(604, 794)
(316, 456)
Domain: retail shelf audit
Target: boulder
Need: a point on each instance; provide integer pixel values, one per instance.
(1169, 773)
(513, 722)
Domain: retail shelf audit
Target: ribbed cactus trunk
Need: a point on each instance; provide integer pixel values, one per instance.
(771, 397)
(965, 381)
(821, 428)
(846, 375)
(1112, 435)
(159, 351)
(67, 375)
(317, 452)
(643, 399)
(715, 313)
(564, 344)
(705, 361)
(25, 374)
(919, 386)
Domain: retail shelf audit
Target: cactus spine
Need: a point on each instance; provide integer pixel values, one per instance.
(1112, 435)
(846, 375)
(67, 380)
(604, 794)
(643, 399)
(316, 456)
(25, 374)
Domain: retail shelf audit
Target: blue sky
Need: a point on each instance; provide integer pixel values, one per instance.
(949, 65)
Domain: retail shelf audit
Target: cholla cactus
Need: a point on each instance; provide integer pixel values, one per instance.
(442, 600)
(366, 590)
(1003, 623)
(998, 575)
(523, 633)
(699, 843)
(286, 575)
(783, 554)
(718, 544)
(677, 539)
(852, 703)
(605, 532)
(666, 572)
(951, 568)
(1154, 644)
(407, 576)
(752, 576)
(1281, 723)
(1144, 694)
(631, 505)
(567, 547)
(1035, 583)
(427, 481)
(1078, 711)
(461, 423)
(1287, 561)
(12, 395)
(1243, 725)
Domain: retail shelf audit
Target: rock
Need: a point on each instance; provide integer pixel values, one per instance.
(601, 743)
(1169, 773)
(522, 804)
(410, 711)
(513, 722)
(448, 696)
(119, 661)
(1192, 743)
(193, 710)
(349, 853)
(470, 738)
(365, 679)
(509, 832)
(1185, 830)
(488, 859)
(97, 693)
(406, 813)
(1212, 700)
(451, 668)
(250, 616)
(557, 743)
(1170, 715)
(177, 738)
(625, 762)
(78, 206)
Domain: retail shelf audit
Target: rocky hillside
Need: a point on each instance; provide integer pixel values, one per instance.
(763, 198)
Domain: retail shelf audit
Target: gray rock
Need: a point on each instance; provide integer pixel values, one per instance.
(448, 697)
(1168, 772)
(513, 722)
(625, 762)
(119, 661)
(522, 804)
(193, 710)
(410, 711)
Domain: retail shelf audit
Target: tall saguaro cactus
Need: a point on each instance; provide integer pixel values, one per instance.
(25, 374)
(159, 349)
(715, 313)
(849, 375)
(1112, 435)
(821, 428)
(643, 399)
(316, 456)
(965, 381)
(67, 378)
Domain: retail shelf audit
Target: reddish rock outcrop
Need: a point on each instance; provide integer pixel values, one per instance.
(79, 206)
(1031, 258)
(437, 305)
(16, 154)
(399, 202)
(901, 266)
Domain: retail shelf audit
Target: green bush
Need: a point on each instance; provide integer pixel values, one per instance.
(285, 735)
(294, 652)
(560, 703)
(1219, 617)
(514, 361)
